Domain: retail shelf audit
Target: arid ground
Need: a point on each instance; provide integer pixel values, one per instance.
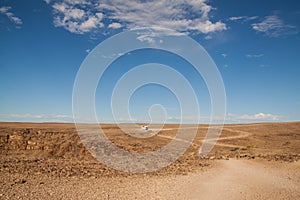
(249, 161)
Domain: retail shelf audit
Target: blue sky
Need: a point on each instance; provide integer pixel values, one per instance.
(255, 45)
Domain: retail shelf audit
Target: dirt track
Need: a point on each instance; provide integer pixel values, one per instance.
(241, 134)
(244, 179)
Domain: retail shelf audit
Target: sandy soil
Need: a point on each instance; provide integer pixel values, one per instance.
(48, 161)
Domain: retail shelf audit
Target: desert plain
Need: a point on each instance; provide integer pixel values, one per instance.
(249, 161)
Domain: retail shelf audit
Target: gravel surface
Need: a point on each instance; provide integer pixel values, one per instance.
(226, 179)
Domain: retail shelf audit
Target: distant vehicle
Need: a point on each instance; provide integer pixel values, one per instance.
(145, 128)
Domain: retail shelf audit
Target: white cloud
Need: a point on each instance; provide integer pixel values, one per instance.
(259, 117)
(181, 15)
(115, 25)
(76, 20)
(147, 37)
(208, 37)
(5, 10)
(233, 118)
(90, 23)
(47, 1)
(78, 2)
(243, 18)
(236, 18)
(224, 55)
(273, 26)
(206, 26)
(230, 118)
(76, 13)
(254, 55)
(33, 118)
(99, 15)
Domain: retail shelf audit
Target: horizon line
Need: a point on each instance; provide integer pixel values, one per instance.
(87, 123)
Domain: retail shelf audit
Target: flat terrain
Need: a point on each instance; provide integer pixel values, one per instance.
(249, 161)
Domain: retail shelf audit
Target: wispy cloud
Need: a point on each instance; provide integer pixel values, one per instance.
(224, 55)
(273, 26)
(79, 16)
(47, 1)
(36, 118)
(6, 10)
(230, 118)
(254, 55)
(208, 37)
(259, 117)
(243, 19)
(264, 65)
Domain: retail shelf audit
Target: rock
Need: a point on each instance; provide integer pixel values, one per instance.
(20, 181)
(225, 157)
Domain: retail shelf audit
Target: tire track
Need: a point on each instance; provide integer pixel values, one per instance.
(242, 134)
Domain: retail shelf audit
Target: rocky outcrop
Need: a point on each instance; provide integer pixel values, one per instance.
(42, 142)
